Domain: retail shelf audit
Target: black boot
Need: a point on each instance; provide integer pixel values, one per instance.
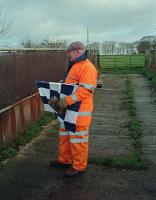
(57, 164)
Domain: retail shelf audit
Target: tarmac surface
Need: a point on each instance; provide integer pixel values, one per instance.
(29, 177)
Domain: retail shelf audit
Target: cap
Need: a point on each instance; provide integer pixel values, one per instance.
(75, 46)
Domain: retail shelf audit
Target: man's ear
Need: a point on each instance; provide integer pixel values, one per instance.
(81, 51)
(77, 51)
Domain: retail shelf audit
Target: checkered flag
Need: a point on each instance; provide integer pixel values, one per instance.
(48, 90)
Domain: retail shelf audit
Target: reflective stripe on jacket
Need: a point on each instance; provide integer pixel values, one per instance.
(85, 74)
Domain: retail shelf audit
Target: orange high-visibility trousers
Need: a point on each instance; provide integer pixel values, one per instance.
(73, 147)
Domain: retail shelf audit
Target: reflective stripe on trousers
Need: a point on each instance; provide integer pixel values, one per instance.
(73, 147)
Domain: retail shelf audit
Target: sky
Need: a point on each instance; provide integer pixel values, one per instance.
(120, 20)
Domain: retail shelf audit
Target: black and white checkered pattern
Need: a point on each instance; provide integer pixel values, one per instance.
(48, 90)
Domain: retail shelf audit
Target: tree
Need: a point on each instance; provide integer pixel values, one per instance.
(94, 46)
(56, 44)
(4, 25)
(108, 47)
(112, 46)
(45, 43)
(143, 46)
(105, 47)
(130, 48)
(28, 43)
(148, 38)
(146, 43)
(123, 47)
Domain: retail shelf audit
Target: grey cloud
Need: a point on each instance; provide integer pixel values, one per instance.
(68, 19)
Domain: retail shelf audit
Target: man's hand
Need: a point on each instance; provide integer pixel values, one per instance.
(53, 101)
(59, 105)
(62, 105)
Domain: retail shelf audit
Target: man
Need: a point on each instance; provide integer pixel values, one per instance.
(73, 148)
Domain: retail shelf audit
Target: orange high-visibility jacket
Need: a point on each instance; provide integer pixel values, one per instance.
(85, 74)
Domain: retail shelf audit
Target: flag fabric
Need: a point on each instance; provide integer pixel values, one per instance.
(48, 90)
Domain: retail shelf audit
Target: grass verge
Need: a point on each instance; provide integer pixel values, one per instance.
(134, 126)
(127, 162)
(122, 70)
(151, 76)
(11, 150)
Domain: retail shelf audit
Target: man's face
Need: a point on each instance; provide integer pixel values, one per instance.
(73, 55)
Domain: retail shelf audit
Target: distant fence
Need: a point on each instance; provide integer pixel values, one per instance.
(152, 61)
(121, 61)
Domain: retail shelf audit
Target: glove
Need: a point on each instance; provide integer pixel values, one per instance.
(62, 105)
(59, 105)
(53, 103)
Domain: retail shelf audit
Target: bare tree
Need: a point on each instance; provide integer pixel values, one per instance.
(104, 47)
(28, 43)
(143, 46)
(108, 47)
(132, 48)
(94, 46)
(123, 47)
(56, 44)
(4, 25)
(147, 42)
(112, 47)
(45, 43)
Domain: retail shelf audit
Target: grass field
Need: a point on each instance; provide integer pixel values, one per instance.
(122, 63)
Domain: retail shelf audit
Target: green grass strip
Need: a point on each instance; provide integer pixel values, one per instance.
(151, 76)
(131, 161)
(122, 70)
(134, 126)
